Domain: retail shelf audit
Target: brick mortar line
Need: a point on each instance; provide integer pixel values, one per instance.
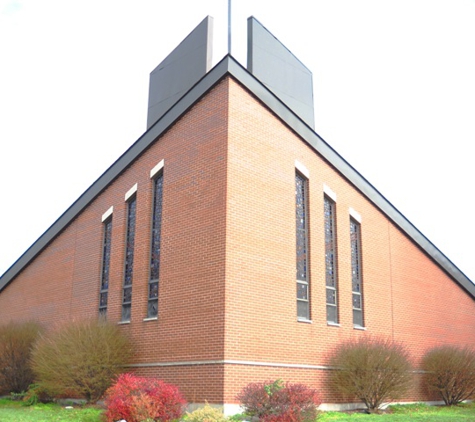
(228, 362)
(241, 362)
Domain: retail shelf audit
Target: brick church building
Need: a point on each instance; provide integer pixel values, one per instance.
(233, 244)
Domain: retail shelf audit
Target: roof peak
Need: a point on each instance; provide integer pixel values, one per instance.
(267, 59)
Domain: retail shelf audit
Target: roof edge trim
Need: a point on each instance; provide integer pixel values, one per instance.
(228, 65)
(156, 130)
(307, 134)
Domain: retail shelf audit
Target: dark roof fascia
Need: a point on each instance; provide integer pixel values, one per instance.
(339, 163)
(228, 65)
(174, 113)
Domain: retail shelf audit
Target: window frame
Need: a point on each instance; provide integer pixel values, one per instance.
(105, 264)
(302, 235)
(356, 273)
(331, 268)
(153, 285)
(126, 312)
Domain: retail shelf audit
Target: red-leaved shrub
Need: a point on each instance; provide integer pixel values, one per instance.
(274, 401)
(136, 399)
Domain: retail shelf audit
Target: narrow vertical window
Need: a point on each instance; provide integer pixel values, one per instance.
(129, 259)
(330, 260)
(155, 253)
(356, 279)
(106, 256)
(303, 308)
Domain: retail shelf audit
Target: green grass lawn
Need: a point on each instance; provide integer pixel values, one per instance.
(415, 412)
(11, 411)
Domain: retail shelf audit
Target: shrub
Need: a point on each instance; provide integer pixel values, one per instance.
(255, 398)
(274, 401)
(80, 358)
(372, 369)
(34, 395)
(450, 371)
(16, 343)
(136, 399)
(206, 414)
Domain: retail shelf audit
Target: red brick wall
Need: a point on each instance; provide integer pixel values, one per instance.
(198, 383)
(227, 282)
(63, 281)
(406, 295)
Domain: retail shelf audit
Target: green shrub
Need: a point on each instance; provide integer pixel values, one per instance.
(30, 397)
(372, 369)
(274, 401)
(35, 394)
(80, 358)
(206, 414)
(450, 371)
(16, 343)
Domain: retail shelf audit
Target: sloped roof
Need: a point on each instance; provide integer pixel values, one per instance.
(229, 66)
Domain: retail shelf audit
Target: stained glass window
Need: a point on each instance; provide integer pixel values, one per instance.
(129, 259)
(106, 256)
(155, 248)
(330, 259)
(303, 308)
(356, 279)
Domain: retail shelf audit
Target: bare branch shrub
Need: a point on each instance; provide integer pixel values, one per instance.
(450, 372)
(80, 358)
(374, 370)
(16, 343)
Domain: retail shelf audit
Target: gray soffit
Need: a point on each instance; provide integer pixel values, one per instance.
(280, 71)
(229, 66)
(175, 75)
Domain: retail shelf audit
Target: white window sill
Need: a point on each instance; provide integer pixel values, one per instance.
(150, 319)
(306, 321)
(333, 324)
(123, 322)
(359, 327)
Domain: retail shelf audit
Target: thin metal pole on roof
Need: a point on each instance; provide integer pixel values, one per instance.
(229, 27)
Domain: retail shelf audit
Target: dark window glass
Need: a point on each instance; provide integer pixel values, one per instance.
(303, 308)
(152, 309)
(331, 313)
(358, 318)
(106, 256)
(126, 311)
(129, 259)
(103, 300)
(129, 248)
(356, 279)
(331, 297)
(330, 259)
(302, 291)
(153, 290)
(155, 248)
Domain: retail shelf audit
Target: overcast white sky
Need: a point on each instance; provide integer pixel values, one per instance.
(394, 90)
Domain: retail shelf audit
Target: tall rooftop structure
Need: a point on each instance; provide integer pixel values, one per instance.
(182, 68)
(267, 59)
